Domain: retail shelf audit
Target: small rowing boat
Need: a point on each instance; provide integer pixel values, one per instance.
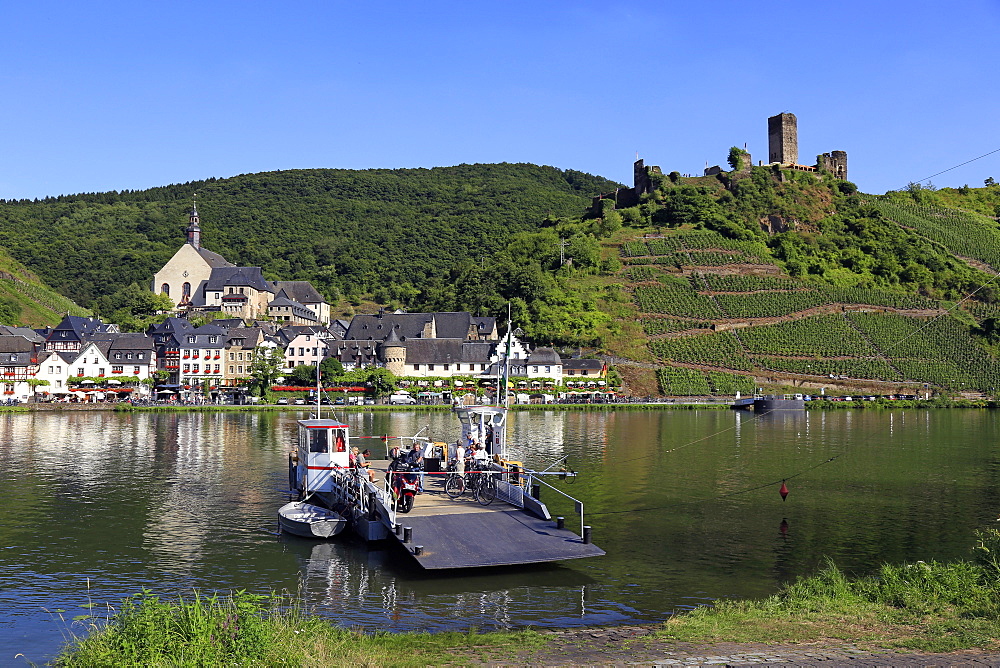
(309, 521)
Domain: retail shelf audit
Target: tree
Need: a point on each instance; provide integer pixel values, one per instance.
(737, 157)
(266, 369)
(989, 182)
(381, 380)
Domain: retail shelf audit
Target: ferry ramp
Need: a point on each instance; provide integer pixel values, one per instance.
(461, 533)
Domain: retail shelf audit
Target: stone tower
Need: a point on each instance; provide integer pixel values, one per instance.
(394, 354)
(783, 139)
(193, 229)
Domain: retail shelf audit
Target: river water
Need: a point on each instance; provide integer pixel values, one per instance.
(96, 506)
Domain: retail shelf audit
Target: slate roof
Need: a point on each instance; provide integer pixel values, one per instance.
(581, 364)
(302, 292)
(16, 344)
(355, 352)
(223, 277)
(448, 325)
(213, 259)
(544, 356)
(448, 351)
(298, 310)
(76, 327)
(17, 359)
(26, 332)
(123, 342)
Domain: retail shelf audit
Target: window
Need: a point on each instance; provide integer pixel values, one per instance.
(128, 356)
(194, 368)
(50, 369)
(548, 369)
(446, 366)
(302, 351)
(187, 368)
(430, 367)
(216, 368)
(100, 372)
(240, 367)
(118, 356)
(534, 369)
(584, 372)
(482, 367)
(231, 369)
(135, 369)
(240, 356)
(139, 355)
(416, 367)
(165, 289)
(116, 369)
(213, 339)
(186, 289)
(232, 356)
(191, 339)
(571, 372)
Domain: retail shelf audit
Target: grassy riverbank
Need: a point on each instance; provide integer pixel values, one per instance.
(927, 607)
(244, 629)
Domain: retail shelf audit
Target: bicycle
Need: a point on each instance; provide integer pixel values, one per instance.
(484, 489)
(454, 483)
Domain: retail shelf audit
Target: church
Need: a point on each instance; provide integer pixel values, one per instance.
(200, 280)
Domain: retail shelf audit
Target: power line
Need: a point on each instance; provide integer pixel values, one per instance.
(957, 166)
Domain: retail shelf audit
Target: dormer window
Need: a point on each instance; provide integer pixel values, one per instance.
(191, 339)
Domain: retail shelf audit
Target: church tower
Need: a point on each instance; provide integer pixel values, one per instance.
(193, 230)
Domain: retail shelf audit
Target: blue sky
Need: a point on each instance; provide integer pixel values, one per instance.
(130, 95)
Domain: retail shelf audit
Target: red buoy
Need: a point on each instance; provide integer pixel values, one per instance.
(783, 491)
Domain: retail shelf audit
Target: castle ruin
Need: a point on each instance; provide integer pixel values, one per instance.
(782, 150)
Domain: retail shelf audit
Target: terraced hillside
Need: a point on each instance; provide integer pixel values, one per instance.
(25, 300)
(721, 315)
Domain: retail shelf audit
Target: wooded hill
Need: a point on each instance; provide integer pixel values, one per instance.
(756, 276)
(349, 232)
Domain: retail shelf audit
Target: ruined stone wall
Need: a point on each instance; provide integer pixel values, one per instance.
(834, 162)
(783, 139)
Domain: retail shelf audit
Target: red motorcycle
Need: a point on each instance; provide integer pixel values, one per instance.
(404, 484)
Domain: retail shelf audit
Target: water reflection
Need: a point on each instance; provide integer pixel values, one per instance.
(684, 502)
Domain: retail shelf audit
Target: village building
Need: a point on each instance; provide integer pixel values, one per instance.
(303, 346)
(71, 333)
(19, 357)
(201, 356)
(241, 343)
(584, 372)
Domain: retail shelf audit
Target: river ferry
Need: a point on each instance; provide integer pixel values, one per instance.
(441, 531)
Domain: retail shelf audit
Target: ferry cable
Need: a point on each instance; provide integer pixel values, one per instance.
(928, 178)
(720, 496)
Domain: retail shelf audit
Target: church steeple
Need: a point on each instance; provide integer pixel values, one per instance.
(193, 230)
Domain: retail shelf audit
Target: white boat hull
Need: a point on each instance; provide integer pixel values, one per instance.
(309, 521)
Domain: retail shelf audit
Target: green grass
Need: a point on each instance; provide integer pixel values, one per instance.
(252, 630)
(924, 606)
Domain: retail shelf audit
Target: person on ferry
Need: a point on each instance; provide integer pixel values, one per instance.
(363, 463)
(415, 458)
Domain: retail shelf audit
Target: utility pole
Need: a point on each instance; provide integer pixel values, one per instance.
(562, 251)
